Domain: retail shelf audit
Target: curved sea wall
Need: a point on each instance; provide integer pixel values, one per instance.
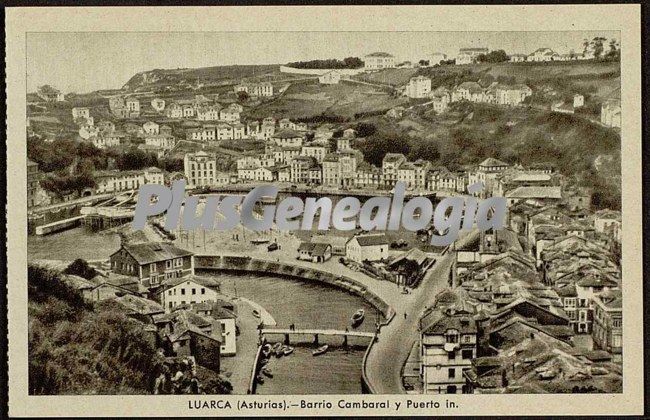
(318, 72)
(262, 267)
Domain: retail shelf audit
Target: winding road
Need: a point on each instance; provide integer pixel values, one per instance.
(390, 352)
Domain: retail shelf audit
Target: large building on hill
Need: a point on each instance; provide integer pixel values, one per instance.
(378, 61)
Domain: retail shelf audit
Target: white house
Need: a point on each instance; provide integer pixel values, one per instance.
(469, 55)
(330, 78)
(187, 291)
(418, 87)
(79, 112)
(161, 141)
(378, 60)
(448, 345)
(151, 127)
(372, 247)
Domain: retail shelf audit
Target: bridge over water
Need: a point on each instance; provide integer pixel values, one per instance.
(288, 333)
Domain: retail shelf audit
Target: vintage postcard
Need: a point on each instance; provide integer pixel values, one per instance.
(269, 211)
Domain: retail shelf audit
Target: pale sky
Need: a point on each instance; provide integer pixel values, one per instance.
(87, 61)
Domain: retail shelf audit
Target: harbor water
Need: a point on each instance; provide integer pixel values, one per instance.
(72, 244)
(289, 301)
(308, 305)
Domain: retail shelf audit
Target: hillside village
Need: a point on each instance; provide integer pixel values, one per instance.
(535, 307)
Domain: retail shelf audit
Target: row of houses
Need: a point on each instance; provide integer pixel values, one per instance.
(545, 54)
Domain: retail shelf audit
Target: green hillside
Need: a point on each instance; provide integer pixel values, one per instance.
(75, 348)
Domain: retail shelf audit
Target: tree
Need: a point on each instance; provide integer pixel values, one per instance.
(81, 268)
(243, 96)
(496, 56)
(365, 129)
(597, 46)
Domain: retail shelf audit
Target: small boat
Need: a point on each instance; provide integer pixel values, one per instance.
(266, 348)
(267, 372)
(260, 379)
(287, 350)
(358, 317)
(277, 349)
(320, 350)
(260, 241)
(256, 313)
(263, 361)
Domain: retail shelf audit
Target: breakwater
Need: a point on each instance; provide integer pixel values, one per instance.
(252, 265)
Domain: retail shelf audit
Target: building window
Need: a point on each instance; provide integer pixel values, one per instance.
(202, 290)
(468, 354)
(193, 291)
(616, 323)
(182, 291)
(152, 267)
(168, 264)
(451, 355)
(451, 389)
(452, 373)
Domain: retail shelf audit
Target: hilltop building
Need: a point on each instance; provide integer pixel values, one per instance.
(378, 61)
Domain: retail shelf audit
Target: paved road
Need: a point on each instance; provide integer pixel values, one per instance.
(390, 352)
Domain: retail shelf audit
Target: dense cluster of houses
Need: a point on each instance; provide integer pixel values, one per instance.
(535, 307)
(154, 282)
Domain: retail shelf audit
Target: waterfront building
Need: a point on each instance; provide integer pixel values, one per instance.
(390, 167)
(112, 181)
(300, 169)
(378, 61)
(448, 341)
(189, 334)
(372, 247)
(188, 290)
(222, 312)
(339, 170)
(152, 262)
(314, 252)
(200, 169)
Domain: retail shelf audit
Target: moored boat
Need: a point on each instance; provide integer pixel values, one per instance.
(260, 379)
(277, 348)
(267, 372)
(357, 318)
(287, 350)
(320, 350)
(256, 313)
